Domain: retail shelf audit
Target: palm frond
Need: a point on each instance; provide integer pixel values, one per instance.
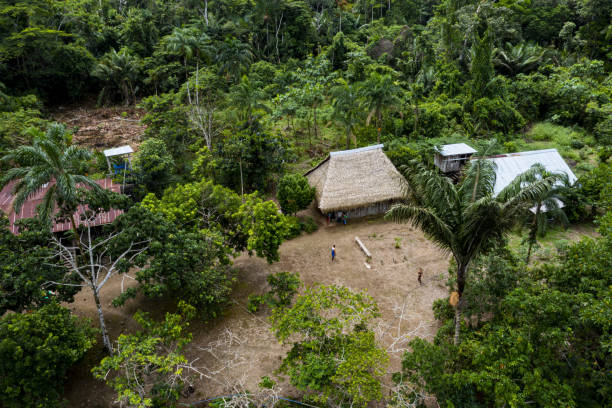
(480, 176)
(25, 156)
(425, 219)
(47, 206)
(485, 225)
(526, 196)
(11, 174)
(479, 180)
(75, 153)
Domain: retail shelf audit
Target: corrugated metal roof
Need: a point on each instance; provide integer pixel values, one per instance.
(457, 148)
(512, 164)
(28, 210)
(544, 208)
(118, 151)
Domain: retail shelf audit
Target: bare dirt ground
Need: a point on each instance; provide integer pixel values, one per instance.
(238, 348)
(102, 127)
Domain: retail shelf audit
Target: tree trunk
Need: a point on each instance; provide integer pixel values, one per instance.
(416, 118)
(314, 121)
(241, 181)
(126, 93)
(533, 232)
(206, 12)
(77, 240)
(105, 339)
(379, 125)
(529, 252)
(461, 272)
(457, 324)
(348, 139)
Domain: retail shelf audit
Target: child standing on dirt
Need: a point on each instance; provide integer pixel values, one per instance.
(420, 275)
(333, 252)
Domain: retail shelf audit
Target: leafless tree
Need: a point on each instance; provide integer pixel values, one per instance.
(396, 333)
(95, 266)
(227, 360)
(201, 111)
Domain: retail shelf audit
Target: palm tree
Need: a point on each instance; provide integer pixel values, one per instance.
(380, 93)
(51, 159)
(188, 43)
(345, 112)
(519, 59)
(246, 97)
(119, 70)
(233, 57)
(464, 219)
(547, 205)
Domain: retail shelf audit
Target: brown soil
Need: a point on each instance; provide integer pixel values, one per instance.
(238, 348)
(104, 127)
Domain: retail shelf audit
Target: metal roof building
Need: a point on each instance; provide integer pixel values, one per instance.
(454, 149)
(449, 158)
(28, 210)
(510, 165)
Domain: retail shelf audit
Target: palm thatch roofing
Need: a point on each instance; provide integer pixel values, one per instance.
(356, 178)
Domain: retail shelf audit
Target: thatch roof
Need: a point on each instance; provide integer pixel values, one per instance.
(355, 178)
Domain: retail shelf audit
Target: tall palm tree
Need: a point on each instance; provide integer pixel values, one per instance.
(345, 112)
(380, 93)
(519, 59)
(465, 219)
(547, 205)
(234, 57)
(187, 42)
(51, 159)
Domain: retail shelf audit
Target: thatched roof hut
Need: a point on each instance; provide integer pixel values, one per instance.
(359, 181)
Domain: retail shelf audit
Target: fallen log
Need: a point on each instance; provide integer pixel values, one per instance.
(363, 247)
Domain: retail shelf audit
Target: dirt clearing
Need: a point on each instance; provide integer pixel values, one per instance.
(104, 127)
(237, 349)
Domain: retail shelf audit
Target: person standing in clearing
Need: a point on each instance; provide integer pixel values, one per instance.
(333, 252)
(420, 275)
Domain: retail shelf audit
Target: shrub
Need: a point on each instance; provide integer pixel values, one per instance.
(442, 310)
(309, 225)
(497, 115)
(511, 147)
(254, 302)
(283, 286)
(294, 193)
(154, 165)
(294, 227)
(36, 351)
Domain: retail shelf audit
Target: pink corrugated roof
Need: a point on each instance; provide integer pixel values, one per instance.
(28, 210)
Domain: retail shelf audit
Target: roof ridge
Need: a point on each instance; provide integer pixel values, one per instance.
(358, 150)
(518, 154)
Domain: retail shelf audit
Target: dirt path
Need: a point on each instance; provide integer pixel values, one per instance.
(238, 348)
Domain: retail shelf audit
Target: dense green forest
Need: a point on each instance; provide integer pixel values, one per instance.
(239, 98)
